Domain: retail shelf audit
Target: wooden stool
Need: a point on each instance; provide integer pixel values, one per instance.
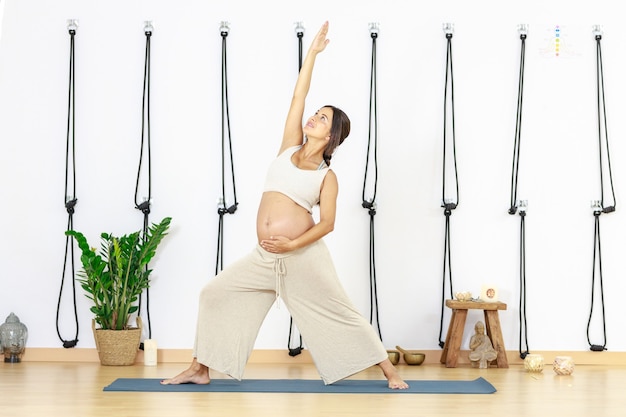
(450, 354)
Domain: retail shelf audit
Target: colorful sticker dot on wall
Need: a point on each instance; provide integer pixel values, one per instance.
(557, 36)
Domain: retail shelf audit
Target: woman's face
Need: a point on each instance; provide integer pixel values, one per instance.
(319, 124)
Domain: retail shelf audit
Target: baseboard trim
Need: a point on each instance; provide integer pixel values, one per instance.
(281, 356)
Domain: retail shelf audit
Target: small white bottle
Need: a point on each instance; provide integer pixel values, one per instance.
(149, 352)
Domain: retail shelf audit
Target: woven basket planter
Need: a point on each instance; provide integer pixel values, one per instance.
(117, 347)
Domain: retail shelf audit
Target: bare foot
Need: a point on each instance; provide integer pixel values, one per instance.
(195, 374)
(395, 382)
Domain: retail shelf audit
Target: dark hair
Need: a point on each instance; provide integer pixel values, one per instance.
(339, 130)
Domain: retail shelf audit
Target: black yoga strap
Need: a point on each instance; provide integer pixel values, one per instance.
(144, 206)
(603, 131)
(516, 205)
(297, 350)
(369, 202)
(223, 207)
(600, 207)
(70, 190)
(448, 204)
(523, 326)
(518, 126)
(597, 260)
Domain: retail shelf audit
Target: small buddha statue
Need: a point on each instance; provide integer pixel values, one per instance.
(481, 349)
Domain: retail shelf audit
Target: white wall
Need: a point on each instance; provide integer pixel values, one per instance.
(558, 173)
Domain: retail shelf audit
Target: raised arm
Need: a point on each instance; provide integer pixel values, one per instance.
(293, 135)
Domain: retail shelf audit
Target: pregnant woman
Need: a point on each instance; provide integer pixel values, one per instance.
(291, 261)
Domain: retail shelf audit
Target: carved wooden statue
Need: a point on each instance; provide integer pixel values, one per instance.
(481, 349)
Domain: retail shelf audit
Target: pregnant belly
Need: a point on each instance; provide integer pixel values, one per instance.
(279, 215)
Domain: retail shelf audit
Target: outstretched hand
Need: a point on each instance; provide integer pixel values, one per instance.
(320, 41)
(293, 134)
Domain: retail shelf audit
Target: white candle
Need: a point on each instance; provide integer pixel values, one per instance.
(149, 352)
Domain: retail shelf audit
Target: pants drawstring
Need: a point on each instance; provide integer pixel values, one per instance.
(279, 271)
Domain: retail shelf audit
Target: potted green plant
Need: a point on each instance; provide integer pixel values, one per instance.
(113, 279)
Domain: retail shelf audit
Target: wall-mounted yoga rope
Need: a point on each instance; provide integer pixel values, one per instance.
(144, 206)
(448, 203)
(299, 28)
(70, 186)
(599, 207)
(369, 202)
(223, 207)
(520, 206)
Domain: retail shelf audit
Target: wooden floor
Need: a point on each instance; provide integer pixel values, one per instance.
(74, 389)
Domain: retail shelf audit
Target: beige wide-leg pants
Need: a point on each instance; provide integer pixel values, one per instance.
(234, 304)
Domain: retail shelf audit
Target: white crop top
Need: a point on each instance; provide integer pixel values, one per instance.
(301, 185)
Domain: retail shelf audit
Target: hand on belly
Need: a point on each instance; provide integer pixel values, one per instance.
(276, 244)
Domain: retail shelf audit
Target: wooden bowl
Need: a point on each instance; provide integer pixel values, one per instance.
(414, 358)
(394, 356)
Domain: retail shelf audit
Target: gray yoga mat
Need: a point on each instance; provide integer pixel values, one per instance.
(347, 386)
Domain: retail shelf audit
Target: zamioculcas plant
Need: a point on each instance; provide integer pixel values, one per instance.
(115, 277)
